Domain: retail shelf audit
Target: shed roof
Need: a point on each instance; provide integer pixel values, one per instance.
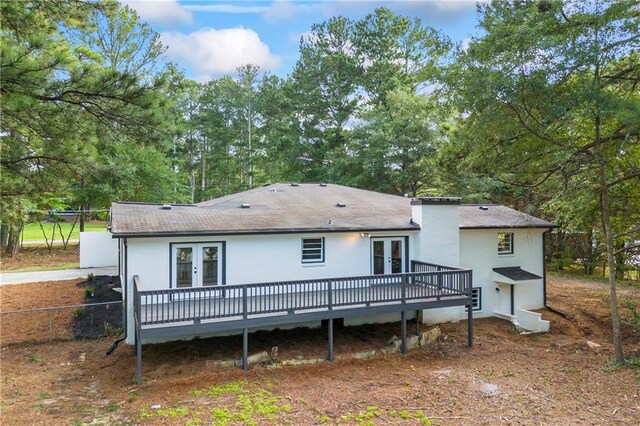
(282, 208)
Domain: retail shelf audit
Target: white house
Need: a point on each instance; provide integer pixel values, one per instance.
(291, 254)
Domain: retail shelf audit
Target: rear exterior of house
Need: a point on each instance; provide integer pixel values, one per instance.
(323, 252)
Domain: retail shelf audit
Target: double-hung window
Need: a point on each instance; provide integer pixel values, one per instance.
(313, 250)
(505, 243)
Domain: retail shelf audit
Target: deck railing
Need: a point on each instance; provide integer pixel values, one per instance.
(248, 300)
(418, 266)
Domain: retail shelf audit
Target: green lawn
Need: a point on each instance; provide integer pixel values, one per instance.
(32, 231)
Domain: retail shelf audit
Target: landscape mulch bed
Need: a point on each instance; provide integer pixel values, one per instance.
(59, 324)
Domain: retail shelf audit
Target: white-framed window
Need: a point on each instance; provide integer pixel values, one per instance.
(476, 299)
(313, 250)
(505, 242)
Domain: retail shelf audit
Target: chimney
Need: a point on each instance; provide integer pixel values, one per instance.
(439, 221)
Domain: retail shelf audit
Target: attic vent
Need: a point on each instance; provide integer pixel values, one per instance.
(483, 208)
(324, 185)
(294, 184)
(166, 207)
(245, 205)
(341, 205)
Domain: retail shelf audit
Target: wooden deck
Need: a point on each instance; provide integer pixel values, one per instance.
(174, 313)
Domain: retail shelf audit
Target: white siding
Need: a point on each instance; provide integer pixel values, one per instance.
(255, 259)
(439, 242)
(479, 251)
(98, 249)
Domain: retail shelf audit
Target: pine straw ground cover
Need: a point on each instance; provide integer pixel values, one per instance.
(506, 378)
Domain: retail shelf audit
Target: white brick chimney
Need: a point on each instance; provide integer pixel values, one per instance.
(439, 237)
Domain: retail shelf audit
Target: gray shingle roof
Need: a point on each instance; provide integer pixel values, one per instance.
(275, 208)
(280, 208)
(477, 216)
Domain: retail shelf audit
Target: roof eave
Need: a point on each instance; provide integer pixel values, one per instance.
(256, 232)
(510, 227)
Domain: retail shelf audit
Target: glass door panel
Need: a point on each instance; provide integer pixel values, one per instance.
(396, 256)
(209, 266)
(184, 267)
(378, 257)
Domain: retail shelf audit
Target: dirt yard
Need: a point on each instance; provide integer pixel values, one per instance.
(507, 378)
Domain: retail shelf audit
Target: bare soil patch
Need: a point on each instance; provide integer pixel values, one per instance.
(40, 257)
(506, 378)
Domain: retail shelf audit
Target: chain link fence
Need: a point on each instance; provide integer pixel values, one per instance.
(86, 321)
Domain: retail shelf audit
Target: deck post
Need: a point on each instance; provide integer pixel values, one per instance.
(330, 338)
(403, 318)
(470, 325)
(470, 311)
(138, 360)
(245, 349)
(417, 323)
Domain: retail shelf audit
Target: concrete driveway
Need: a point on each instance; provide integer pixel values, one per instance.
(8, 278)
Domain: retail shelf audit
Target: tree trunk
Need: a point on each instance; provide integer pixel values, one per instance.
(4, 236)
(13, 239)
(611, 261)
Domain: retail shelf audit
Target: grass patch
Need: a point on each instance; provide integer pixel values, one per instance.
(367, 417)
(35, 359)
(239, 403)
(32, 231)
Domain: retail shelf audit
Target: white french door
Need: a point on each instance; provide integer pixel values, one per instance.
(387, 255)
(196, 265)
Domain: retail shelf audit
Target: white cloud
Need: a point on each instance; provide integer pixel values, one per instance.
(167, 12)
(211, 51)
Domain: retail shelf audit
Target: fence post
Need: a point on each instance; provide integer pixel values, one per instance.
(50, 327)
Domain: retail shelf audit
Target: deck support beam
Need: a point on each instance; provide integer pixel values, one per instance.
(470, 325)
(403, 319)
(138, 360)
(330, 338)
(245, 349)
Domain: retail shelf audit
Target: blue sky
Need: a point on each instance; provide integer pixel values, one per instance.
(209, 39)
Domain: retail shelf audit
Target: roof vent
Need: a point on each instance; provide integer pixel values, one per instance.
(483, 208)
(265, 184)
(341, 205)
(330, 222)
(295, 184)
(166, 207)
(324, 185)
(245, 206)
